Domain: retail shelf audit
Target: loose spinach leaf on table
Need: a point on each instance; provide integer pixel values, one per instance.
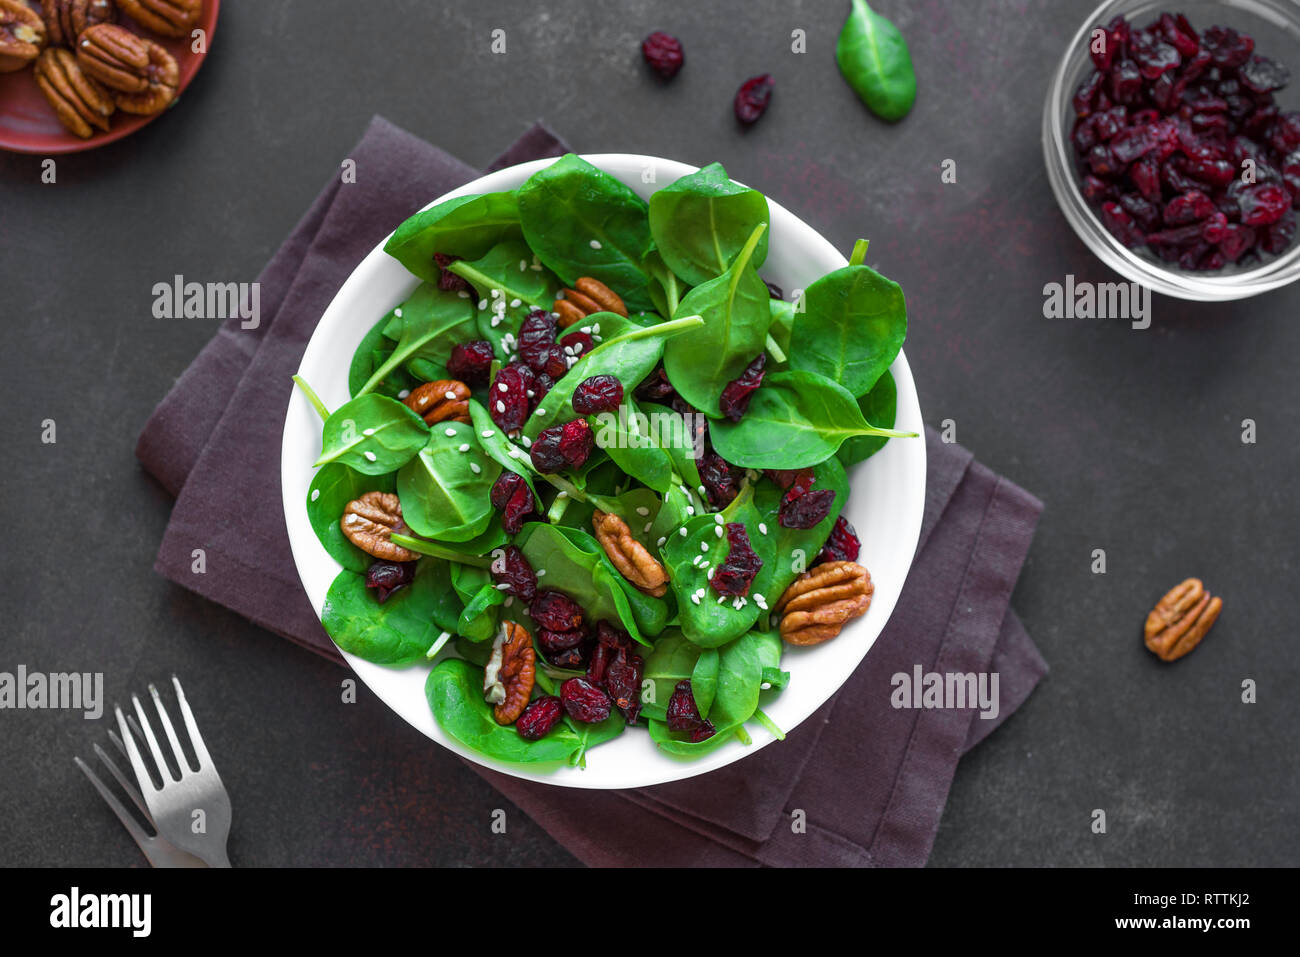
(701, 362)
(454, 690)
(467, 226)
(580, 221)
(879, 407)
(400, 630)
(701, 222)
(373, 434)
(795, 549)
(712, 622)
(444, 491)
(874, 59)
(795, 419)
(852, 327)
(501, 278)
(433, 323)
(331, 489)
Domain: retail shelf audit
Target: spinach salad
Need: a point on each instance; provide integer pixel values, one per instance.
(593, 468)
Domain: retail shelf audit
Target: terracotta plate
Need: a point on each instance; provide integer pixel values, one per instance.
(28, 123)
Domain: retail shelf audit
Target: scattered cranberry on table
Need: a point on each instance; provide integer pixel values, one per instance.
(1181, 145)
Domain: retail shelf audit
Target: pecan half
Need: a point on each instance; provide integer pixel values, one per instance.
(171, 18)
(633, 561)
(514, 675)
(81, 104)
(586, 297)
(163, 78)
(65, 19)
(369, 523)
(1180, 620)
(115, 57)
(819, 602)
(443, 400)
(22, 35)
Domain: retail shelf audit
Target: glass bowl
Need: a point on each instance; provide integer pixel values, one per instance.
(1275, 27)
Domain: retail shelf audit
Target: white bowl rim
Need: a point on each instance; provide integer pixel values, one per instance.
(316, 569)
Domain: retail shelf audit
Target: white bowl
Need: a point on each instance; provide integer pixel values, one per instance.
(885, 503)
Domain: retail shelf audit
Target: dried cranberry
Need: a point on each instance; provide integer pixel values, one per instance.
(512, 569)
(471, 362)
(1263, 204)
(387, 577)
(1214, 228)
(752, 98)
(555, 611)
(1121, 225)
(577, 344)
(536, 333)
(656, 387)
(1278, 236)
(597, 667)
(623, 682)
(611, 636)
(1263, 75)
(683, 712)
(569, 445)
(1145, 174)
(541, 386)
(842, 545)
(806, 510)
(705, 731)
(539, 718)
(1153, 55)
(553, 642)
(1086, 94)
(664, 54)
(598, 393)
(788, 478)
(737, 571)
(508, 397)
(1144, 212)
(735, 397)
(570, 659)
(715, 475)
(1190, 207)
(448, 281)
(1125, 82)
(1237, 242)
(1227, 48)
(512, 497)
(584, 701)
(550, 361)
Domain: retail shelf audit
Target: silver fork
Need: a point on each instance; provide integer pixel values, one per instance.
(175, 805)
(157, 850)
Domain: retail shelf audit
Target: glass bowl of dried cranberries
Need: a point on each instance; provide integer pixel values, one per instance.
(1172, 141)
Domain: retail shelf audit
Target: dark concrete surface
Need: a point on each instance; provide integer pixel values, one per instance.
(1131, 438)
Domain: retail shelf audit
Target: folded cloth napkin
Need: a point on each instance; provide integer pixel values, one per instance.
(859, 783)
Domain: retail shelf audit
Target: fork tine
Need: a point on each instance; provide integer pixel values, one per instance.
(164, 773)
(191, 727)
(133, 752)
(123, 815)
(182, 762)
(132, 792)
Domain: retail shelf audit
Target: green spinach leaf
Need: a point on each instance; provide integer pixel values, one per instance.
(700, 224)
(583, 222)
(704, 680)
(445, 491)
(628, 438)
(795, 419)
(874, 59)
(373, 351)
(879, 407)
(852, 327)
(331, 489)
(794, 549)
(509, 284)
(433, 323)
(400, 630)
(467, 226)
(736, 315)
(373, 434)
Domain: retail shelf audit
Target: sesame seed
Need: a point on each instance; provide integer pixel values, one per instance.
(660, 543)
(496, 293)
(464, 447)
(540, 411)
(760, 601)
(451, 396)
(530, 393)
(367, 431)
(690, 509)
(717, 530)
(585, 329)
(681, 532)
(502, 387)
(370, 456)
(541, 573)
(762, 528)
(721, 599)
(496, 321)
(568, 350)
(702, 492)
(488, 433)
(696, 599)
(711, 571)
(765, 685)
(704, 563)
(704, 546)
(398, 312)
(718, 518)
(501, 406)
(450, 433)
(475, 468)
(526, 440)
(515, 453)
(509, 601)
(595, 328)
(523, 264)
(595, 244)
(514, 303)
(315, 494)
(463, 294)
(503, 586)
(404, 393)
(696, 560)
(642, 511)
(596, 338)
(647, 527)
(482, 303)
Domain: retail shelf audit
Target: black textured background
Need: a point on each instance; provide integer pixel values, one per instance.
(1131, 438)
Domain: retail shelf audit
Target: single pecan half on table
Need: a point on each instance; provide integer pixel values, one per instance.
(632, 559)
(443, 400)
(510, 673)
(81, 104)
(820, 601)
(586, 297)
(66, 19)
(369, 523)
(171, 18)
(22, 35)
(1180, 620)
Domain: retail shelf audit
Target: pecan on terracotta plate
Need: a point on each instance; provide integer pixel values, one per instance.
(22, 35)
(81, 104)
(65, 19)
(171, 18)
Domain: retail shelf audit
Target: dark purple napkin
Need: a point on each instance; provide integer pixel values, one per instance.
(859, 782)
